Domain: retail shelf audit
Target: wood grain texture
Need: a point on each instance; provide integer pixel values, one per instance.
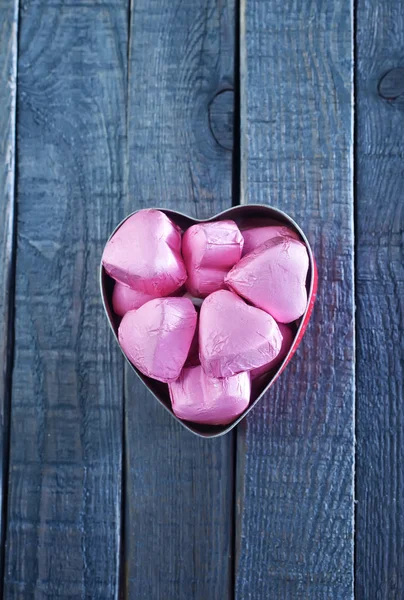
(294, 537)
(66, 422)
(8, 93)
(380, 300)
(179, 490)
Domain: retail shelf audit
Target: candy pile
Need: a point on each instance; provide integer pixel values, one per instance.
(207, 311)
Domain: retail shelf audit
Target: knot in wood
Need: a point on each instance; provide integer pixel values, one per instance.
(221, 118)
(391, 85)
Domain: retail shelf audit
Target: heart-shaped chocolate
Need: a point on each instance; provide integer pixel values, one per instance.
(157, 337)
(287, 341)
(199, 398)
(273, 277)
(235, 337)
(246, 217)
(145, 254)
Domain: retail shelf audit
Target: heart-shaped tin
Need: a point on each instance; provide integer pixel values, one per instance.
(245, 215)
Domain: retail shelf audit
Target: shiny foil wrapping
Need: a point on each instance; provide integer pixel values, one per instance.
(212, 309)
(209, 251)
(145, 254)
(255, 236)
(273, 278)
(287, 341)
(235, 337)
(157, 337)
(202, 399)
(124, 299)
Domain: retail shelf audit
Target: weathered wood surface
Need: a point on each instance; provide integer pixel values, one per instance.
(85, 159)
(8, 89)
(380, 300)
(64, 523)
(294, 537)
(179, 489)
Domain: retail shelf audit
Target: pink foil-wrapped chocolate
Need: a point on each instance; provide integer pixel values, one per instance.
(255, 236)
(157, 337)
(202, 399)
(287, 340)
(273, 277)
(124, 299)
(209, 251)
(235, 337)
(145, 254)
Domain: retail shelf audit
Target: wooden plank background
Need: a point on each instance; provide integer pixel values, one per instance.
(64, 521)
(296, 451)
(123, 105)
(8, 89)
(380, 299)
(179, 488)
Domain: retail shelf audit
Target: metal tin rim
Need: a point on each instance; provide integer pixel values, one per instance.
(311, 291)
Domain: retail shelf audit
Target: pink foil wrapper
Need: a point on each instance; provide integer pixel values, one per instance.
(209, 251)
(125, 299)
(235, 337)
(287, 341)
(145, 254)
(273, 278)
(255, 236)
(157, 337)
(202, 399)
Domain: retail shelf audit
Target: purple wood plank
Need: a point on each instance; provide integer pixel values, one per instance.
(63, 537)
(380, 299)
(294, 534)
(8, 91)
(179, 490)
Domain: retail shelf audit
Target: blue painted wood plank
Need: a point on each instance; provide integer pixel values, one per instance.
(380, 299)
(8, 92)
(63, 536)
(179, 490)
(295, 499)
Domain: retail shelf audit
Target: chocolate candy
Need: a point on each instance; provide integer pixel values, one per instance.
(202, 399)
(255, 236)
(273, 278)
(235, 337)
(209, 251)
(145, 254)
(157, 337)
(124, 299)
(287, 340)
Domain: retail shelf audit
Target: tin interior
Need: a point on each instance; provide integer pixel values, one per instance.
(244, 215)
